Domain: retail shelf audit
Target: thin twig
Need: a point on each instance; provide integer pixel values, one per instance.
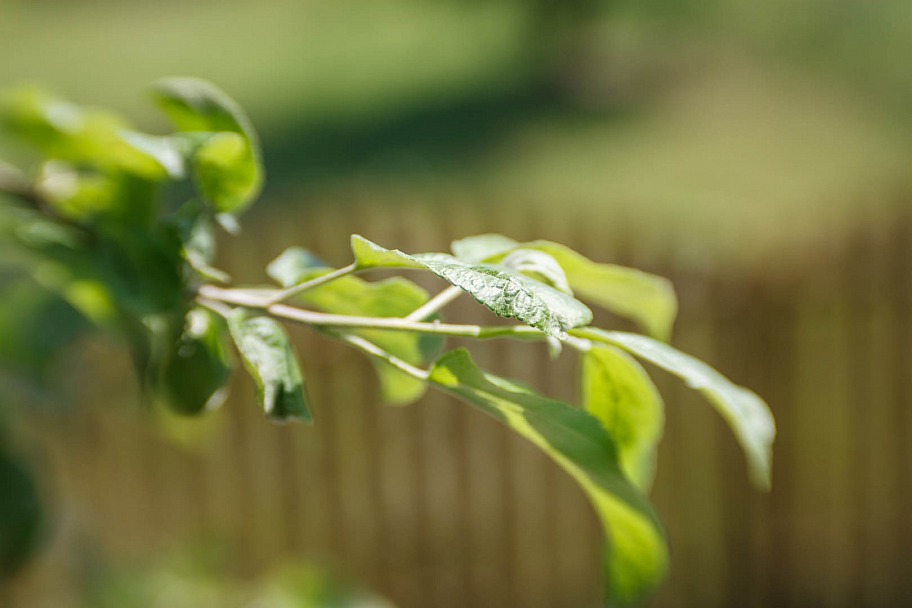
(308, 285)
(372, 349)
(215, 306)
(434, 304)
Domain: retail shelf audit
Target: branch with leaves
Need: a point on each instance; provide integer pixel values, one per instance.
(103, 219)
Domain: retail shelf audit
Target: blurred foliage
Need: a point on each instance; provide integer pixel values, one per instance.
(21, 514)
(199, 577)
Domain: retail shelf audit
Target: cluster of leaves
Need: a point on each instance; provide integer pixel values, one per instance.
(122, 223)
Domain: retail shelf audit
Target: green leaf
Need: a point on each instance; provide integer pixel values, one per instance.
(505, 292)
(166, 150)
(619, 392)
(294, 266)
(272, 363)
(221, 143)
(482, 247)
(647, 299)
(637, 555)
(195, 105)
(394, 297)
(195, 375)
(747, 414)
(371, 255)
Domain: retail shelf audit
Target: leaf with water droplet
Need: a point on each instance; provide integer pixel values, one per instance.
(504, 291)
(647, 299)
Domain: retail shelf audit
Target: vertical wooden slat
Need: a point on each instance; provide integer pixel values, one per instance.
(900, 269)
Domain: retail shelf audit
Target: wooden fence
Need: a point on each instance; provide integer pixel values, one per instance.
(436, 505)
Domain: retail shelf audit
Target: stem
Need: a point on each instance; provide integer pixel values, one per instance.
(308, 285)
(434, 304)
(215, 306)
(372, 349)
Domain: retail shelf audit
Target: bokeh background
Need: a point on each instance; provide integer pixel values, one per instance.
(758, 154)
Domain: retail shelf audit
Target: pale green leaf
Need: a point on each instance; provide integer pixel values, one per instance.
(271, 361)
(505, 292)
(647, 299)
(482, 247)
(637, 555)
(165, 150)
(195, 105)
(539, 266)
(619, 392)
(221, 144)
(295, 265)
(747, 414)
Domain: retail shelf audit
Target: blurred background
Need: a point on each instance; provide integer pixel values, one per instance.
(757, 154)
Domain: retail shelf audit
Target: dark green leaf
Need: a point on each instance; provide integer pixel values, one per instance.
(271, 361)
(747, 414)
(221, 144)
(637, 554)
(196, 231)
(195, 374)
(617, 391)
(35, 326)
(504, 291)
(20, 516)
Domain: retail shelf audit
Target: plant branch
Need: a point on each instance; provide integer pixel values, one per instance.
(308, 285)
(215, 298)
(249, 299)
(434, 304)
